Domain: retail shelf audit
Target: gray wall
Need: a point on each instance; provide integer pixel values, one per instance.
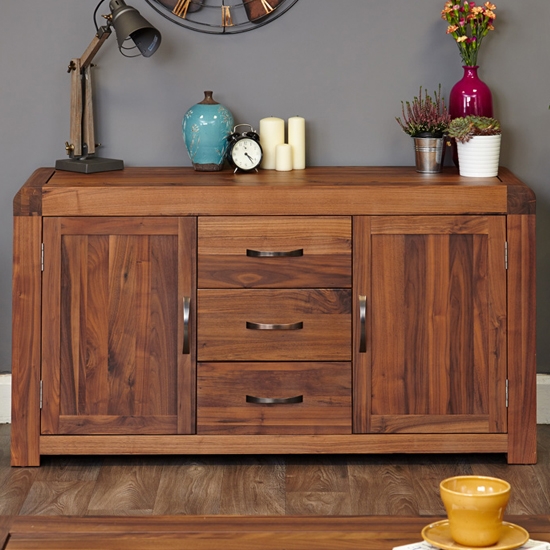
(344, 65)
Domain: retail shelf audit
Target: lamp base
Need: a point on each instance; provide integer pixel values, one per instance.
(89, 165)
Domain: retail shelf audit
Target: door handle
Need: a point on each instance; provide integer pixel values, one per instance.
(186, 311)
(262, 326)
(274, 401)
(363, 324)
(266, 254)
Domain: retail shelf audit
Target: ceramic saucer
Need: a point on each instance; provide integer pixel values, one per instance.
(439, 535)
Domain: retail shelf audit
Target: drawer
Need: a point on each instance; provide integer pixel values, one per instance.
(274, 252)
(309, 398)
(274, 325)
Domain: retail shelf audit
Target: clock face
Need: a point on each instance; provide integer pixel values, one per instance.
(221, 16)
(246, 154)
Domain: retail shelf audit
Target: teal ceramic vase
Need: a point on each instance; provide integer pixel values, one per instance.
(206, 127)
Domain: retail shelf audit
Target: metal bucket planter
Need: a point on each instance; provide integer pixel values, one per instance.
(479, 157)
(428, 154)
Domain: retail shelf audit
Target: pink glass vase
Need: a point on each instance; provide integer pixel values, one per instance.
(469, 96)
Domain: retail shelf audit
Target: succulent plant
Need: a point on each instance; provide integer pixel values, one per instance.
(464, 128)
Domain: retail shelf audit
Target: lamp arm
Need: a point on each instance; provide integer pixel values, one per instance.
(102, 34)
(82, 140)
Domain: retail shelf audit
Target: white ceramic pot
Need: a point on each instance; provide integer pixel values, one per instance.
(479, 157)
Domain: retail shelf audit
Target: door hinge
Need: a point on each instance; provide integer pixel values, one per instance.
(41, 394)
(506, 392)
(506, 255)
(42, 257)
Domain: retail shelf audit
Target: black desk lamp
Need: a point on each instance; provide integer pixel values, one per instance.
(128, 24)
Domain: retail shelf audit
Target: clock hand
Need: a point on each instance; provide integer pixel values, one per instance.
(249, 157)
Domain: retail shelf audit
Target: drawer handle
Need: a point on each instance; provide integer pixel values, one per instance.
(274, 401)
(363, 323)
(186, 310)
(266, 254)
(262, 326)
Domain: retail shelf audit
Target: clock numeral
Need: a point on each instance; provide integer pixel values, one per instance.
(227, 19)
(267, 6)
(181, 8)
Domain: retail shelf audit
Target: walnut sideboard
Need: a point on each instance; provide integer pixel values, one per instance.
(328, 310)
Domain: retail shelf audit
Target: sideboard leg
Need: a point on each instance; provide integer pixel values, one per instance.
(522, 378)
(26, 336)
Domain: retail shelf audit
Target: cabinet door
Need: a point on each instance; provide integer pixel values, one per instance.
(434, 317)
(118, 356)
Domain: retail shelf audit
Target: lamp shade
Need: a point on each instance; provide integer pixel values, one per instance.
(129, 23)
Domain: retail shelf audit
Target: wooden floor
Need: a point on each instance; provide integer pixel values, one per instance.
(269, 485)
(227, 532)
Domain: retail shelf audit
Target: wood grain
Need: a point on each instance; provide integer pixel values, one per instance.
(428, 471)
(521, 338)
(5, 525)
(325, 243)
(28, 200)
(253, 486)
(335, 484)
(117, 335)
(308, 474)
(130, 488)
(150, 200)
(15, 489)
(314, 191)
(438, 285)
(26, 345)
(247, 533)
(526, 500)
(67, 498)
(393, 480)
(190, 486)
(223, 335)
(274, 444)
(325, 389)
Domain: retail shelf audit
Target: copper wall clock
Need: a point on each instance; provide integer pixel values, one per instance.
(221, 16)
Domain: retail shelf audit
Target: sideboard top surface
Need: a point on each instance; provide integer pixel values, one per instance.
(350, 190)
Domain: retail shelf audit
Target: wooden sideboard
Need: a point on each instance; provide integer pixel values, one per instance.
(328, 310)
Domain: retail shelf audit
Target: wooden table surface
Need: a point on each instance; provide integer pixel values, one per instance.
(225, 532)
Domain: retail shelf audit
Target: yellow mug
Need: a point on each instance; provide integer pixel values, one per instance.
(475, 506)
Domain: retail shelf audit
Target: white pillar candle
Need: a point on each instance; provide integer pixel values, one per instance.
(297, 138)
(283, 157)
(272, 133)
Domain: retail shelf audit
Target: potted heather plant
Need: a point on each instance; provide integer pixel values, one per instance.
(426, 119)
(478, 143)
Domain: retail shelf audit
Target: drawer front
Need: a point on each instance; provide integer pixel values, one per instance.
(274, 325)
(274, 398)
(274, 252)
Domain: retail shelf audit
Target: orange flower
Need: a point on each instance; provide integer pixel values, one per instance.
(468, 23)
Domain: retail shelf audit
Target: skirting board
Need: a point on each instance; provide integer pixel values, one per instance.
(543, 398)
(5, 398)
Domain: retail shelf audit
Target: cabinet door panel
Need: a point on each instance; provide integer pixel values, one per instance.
(437, 318)
(112, 360)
